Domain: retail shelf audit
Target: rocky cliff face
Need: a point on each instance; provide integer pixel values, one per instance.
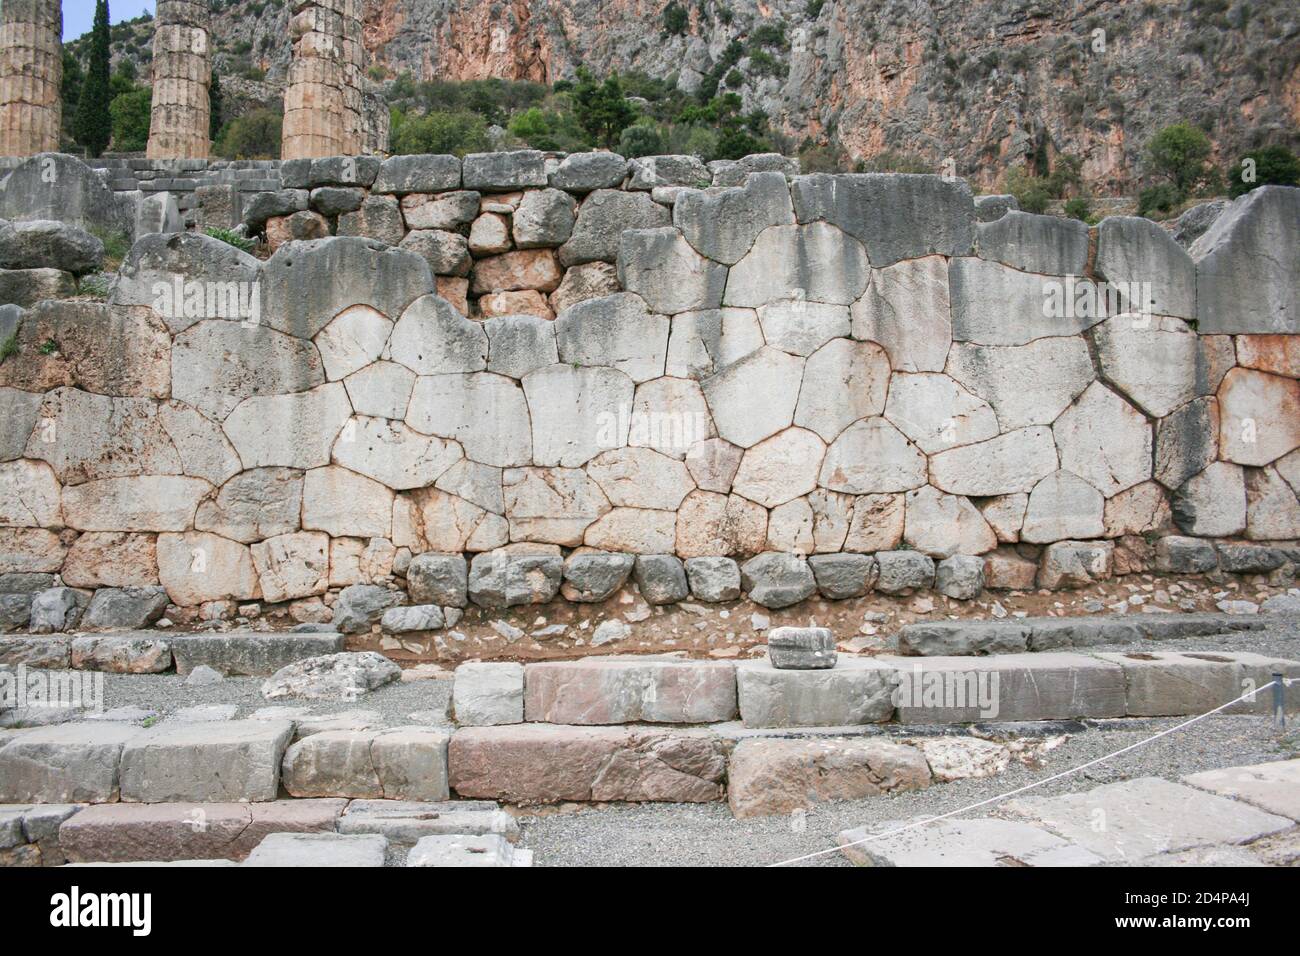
(983, 82)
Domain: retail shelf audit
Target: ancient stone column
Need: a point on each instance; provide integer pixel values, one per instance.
(31, 71)
(323, 114)
(182, 70)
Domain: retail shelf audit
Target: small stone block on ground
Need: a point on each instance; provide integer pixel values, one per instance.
(489, 849)
(801, 648)
(319, 849)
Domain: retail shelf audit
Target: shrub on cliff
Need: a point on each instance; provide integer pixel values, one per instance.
(1272, 166)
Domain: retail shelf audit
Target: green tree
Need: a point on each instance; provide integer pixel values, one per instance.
(92, 126)
(458, 133)
(1274, 166)
(255, 135)
(601, 108)
(1178, 153)
(215, 108)
(130, 113)
(675, 19)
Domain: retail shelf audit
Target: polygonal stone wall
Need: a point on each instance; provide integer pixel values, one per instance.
(595, 354)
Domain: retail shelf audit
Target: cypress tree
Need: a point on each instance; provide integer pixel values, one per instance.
(214, 107)
(93, 125)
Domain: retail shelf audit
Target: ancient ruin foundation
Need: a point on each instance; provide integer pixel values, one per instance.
(178, 127)
(323, 113)
(31, 71)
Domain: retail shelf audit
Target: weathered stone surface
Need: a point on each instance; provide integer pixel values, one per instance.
(1271, 787)
(489, 415)
(855, 691)
(724, 224)
(801, 648)
(488, 694)
(250, 653)
(1185, 555)
(593, 576)
(768, 777)
(967, 843)
(197, 567)
(661, 267)
(411, 620)
(900, 571)
(575, 412)
(500, 172)
(319, 850)
(526, 574)
(1187, 441)
(30, 551)
(1272, 506)
(780, 266)
(602, 218)
(343, 676)
(1141, 510)
(543, 218)
(591, 280)
(872, 456)
(649, 172)
(530, 764)
(130, 832)
(615, 690)
(292, 431)
(402, 763)
(896, 215)
(755, 397)
(713, 579)
(417, 174)
(358, 607)
(936, 413)
(32, 651)
(1278, 354)
(777, 580)
(616, 331)
(1259, 417)
(960, 576)
(985, 293)
(661, 578)
(106, 559)
(1212, 504)
(265, 206)
(447, 850)
(64, 763)
(554, 506)
(254, 505)
(1012, 462)
(235, 760)
(443, 211)
(46, 244)
(940, 638)
(1136, 253)
(1047, 245)
(1075, 564)
(292, 565)
(843, 575)
(780, 468)
(336, 200)
(875, 522)
(438, 579)
(1144, 817)
(633, 530)
(31, 495)
(1063, 505)
(1027, 384)
(1246, 263)
(1105, 441)
(584, 172)
(519, 344)
(705, 342)
(1161, 683)
(943, 525)
(129, 607)
(843, 381)
(142, 653)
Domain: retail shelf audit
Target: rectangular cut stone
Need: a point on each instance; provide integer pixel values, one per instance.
(1273, 787)
(485, 694)
(249, 653)
(319, 849)
(1252, 673)
(217, 762)
(940, 638)
(768, 776)
(551, 763)
(401, 763)
(64, 763)
(801, 648)
(1144, 817)
(34, 651)
(1044, 686)
(136, 652)
(485, 850)
(961, 843)
(126, 832)
(404, 822)
(1166, 684)
(615, 690)
(855, 691)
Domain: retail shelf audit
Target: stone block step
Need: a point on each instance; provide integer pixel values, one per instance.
(214, 762)
(398, 763)
(1185, 683)
(250, 653)
(319, 849)
(124, 832)
(1272, 787)
(551, 763)
(1145, 817)
(404, 822)
(621, 690)
(1042, 686)
(948, 638)
(64, 763)
(485, 850)
(855, 691)
(29, 834)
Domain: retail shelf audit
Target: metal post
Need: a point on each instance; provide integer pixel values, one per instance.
(1279, 700)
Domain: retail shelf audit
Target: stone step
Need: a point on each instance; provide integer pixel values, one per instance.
(397, 763)
(124, 832)
(29, 834)
(948, 638)
(489, 849)
(319, 849)
(856, 691)
(622, 690)
(251, 653)
(552, 763)
(215, 762)
(404, 822)
(1185, 683)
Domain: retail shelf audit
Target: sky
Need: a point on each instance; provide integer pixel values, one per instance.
(78, 14)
